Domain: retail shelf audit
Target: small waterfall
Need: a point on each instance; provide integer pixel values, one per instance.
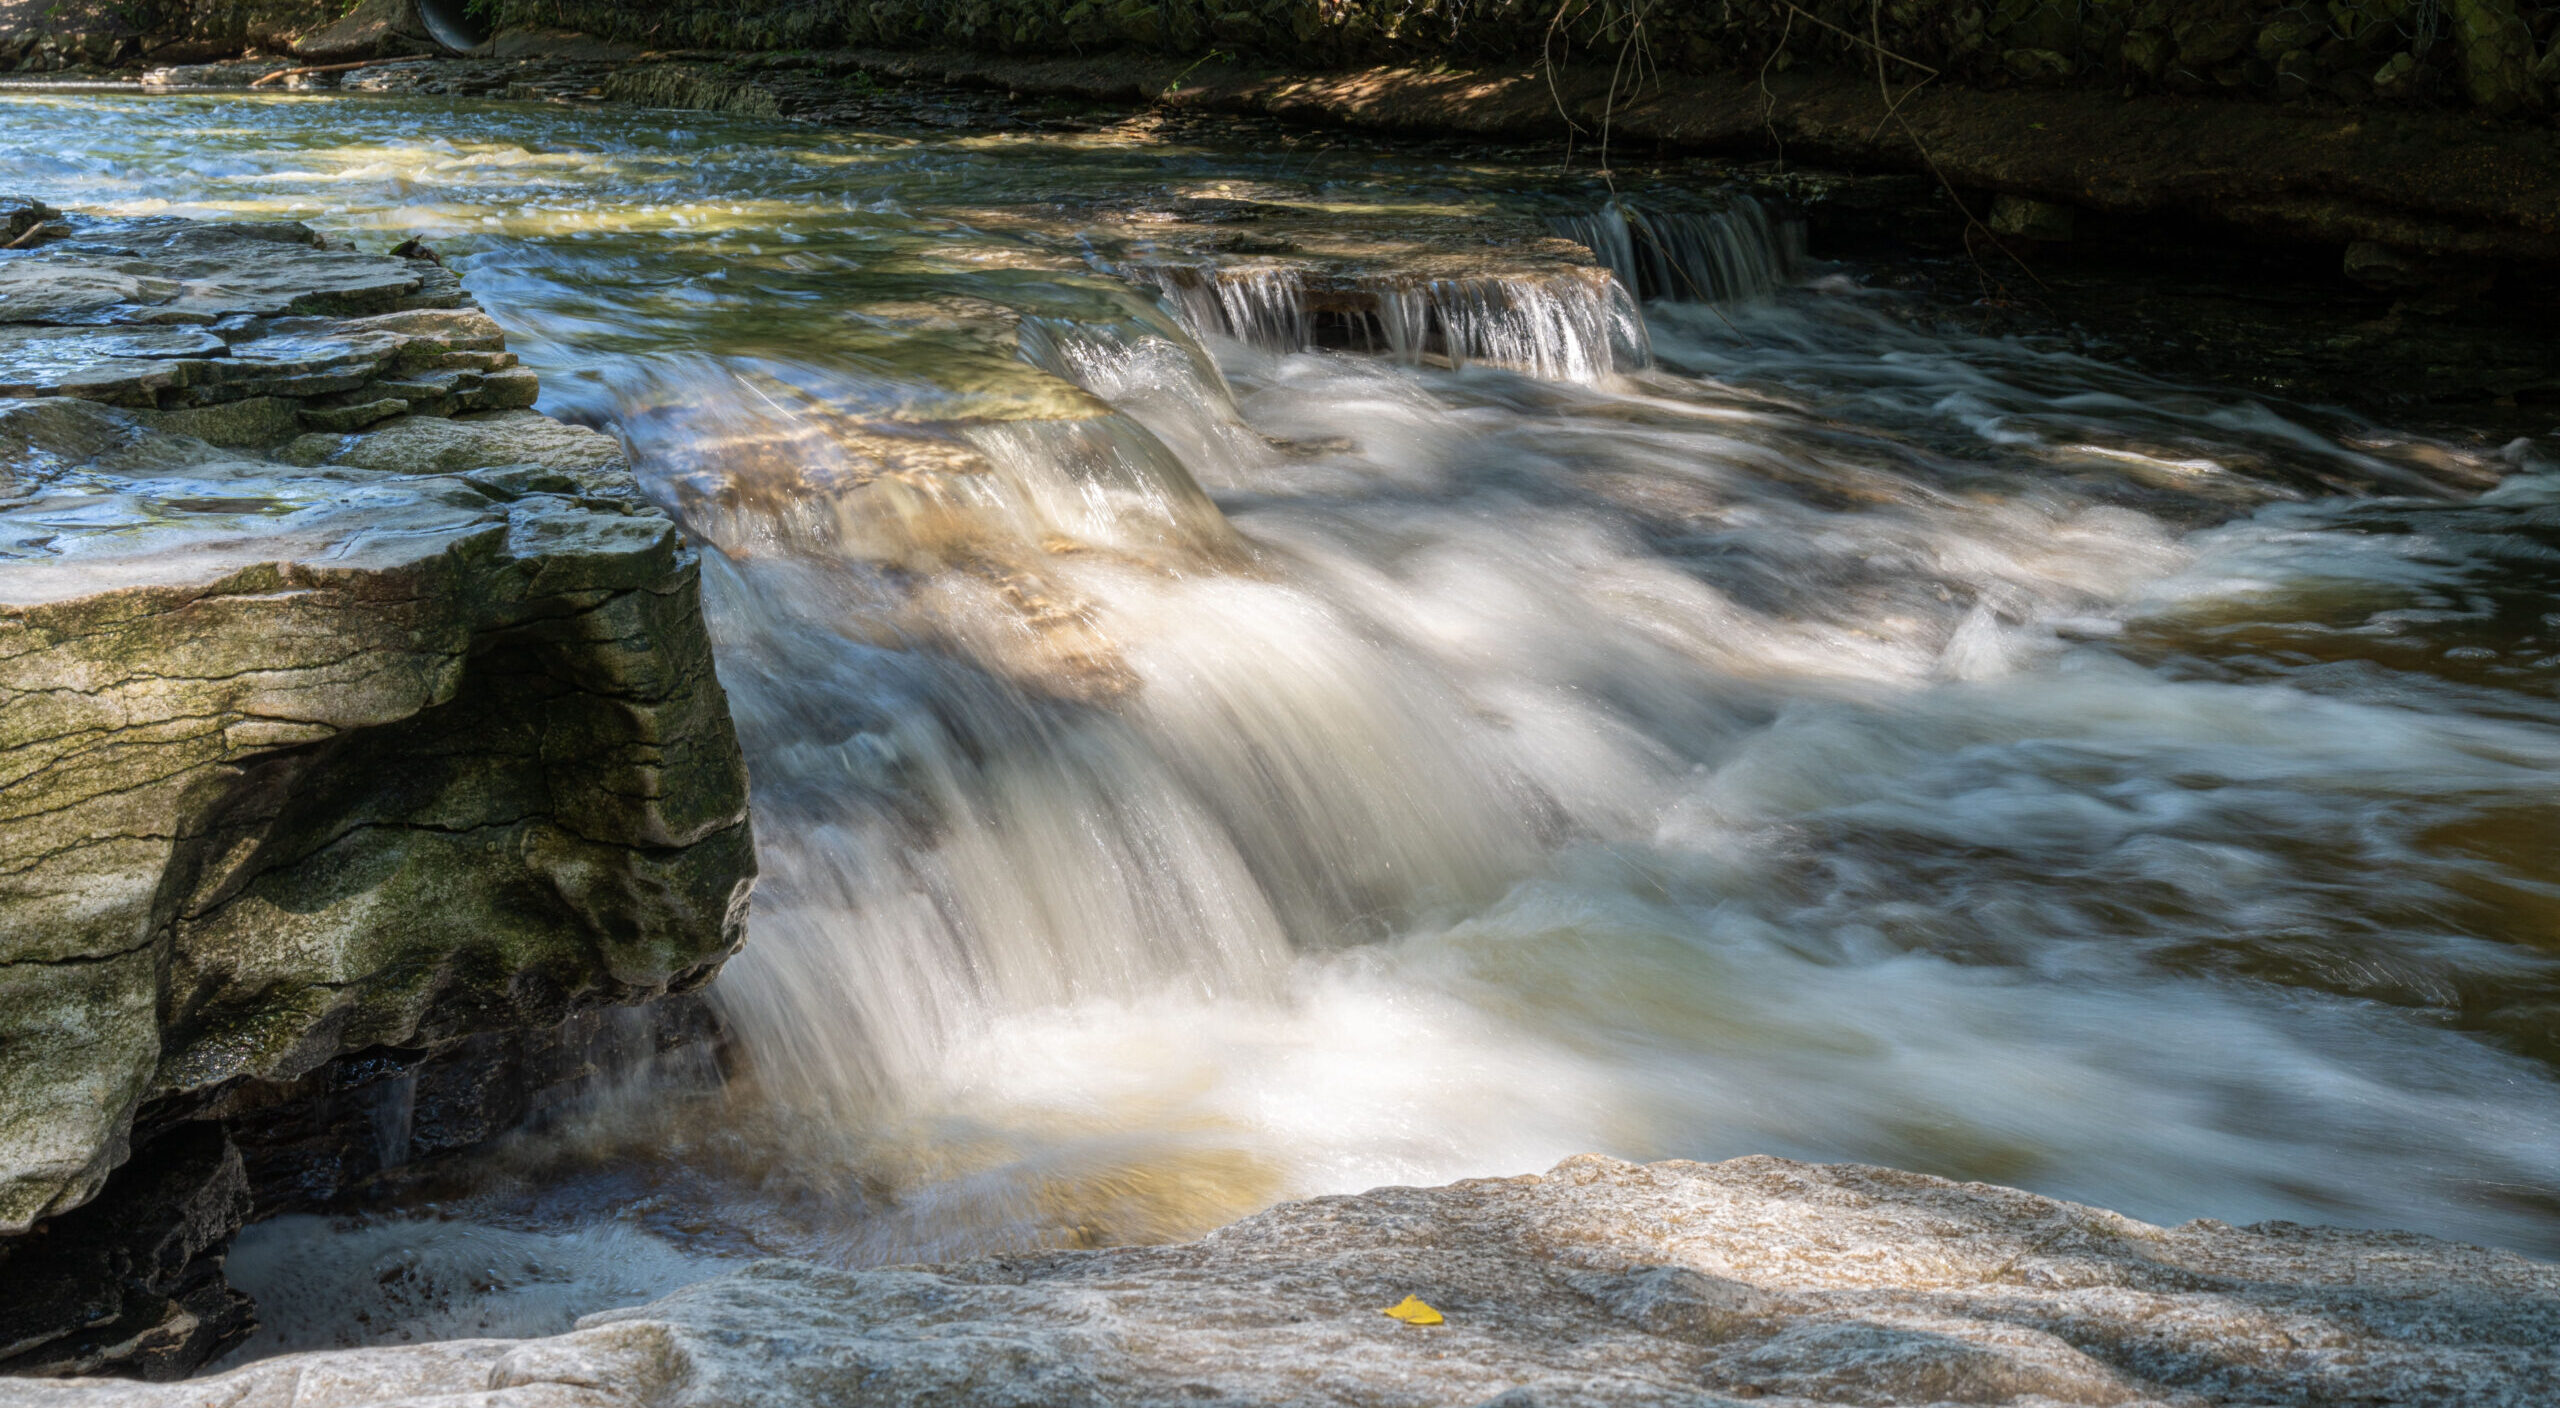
(1567, 324)
(1260, 304)
(1557, 329)
(1736, 253)
(392, 1113)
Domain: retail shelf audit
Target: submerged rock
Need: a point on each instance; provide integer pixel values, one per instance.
(1600, 1283)
(314, 743)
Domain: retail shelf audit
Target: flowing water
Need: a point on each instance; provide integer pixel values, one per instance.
(1194, 768)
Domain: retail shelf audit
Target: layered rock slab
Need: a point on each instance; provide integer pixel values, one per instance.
(1601, 1283)
(328, 724)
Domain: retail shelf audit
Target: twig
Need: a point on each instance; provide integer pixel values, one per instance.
(1769, 109)
(1547, 53)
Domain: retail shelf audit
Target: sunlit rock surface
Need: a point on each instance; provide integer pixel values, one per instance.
(327, 723)
(1601, 1283)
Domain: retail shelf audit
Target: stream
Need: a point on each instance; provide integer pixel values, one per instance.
(1202, 759)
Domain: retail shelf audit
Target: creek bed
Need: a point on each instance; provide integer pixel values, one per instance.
(1266, 673)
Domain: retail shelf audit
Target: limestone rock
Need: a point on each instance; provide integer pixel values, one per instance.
(318, 742)
(1602, 1283)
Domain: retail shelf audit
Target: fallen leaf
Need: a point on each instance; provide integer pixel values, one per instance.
(1412, 1311)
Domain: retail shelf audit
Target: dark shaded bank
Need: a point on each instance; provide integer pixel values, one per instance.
(2432, 183)
(2494, 55)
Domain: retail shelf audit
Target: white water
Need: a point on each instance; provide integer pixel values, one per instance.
(1263, 772)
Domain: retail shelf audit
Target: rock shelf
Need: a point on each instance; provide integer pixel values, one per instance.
(1601, 1283)
(348, 707)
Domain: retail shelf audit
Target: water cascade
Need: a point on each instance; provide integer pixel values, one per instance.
(1564, 324)
(1739, 252)
(1324, 729)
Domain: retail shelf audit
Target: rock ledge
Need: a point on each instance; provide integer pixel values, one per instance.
(1602, 1283)
(348, 709)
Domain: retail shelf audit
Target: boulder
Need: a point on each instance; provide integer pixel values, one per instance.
(327, 724)
(2496, 50)
(1601, 1283)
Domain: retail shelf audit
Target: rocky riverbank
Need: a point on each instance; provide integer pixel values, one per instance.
(360, 734)
(1601, 1283)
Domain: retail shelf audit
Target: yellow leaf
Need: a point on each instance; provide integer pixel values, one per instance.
(1413, 1312)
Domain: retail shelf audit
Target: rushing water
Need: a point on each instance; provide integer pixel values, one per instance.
(1192, 770)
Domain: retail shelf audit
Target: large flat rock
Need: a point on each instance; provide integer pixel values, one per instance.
(1602, 1283)
(345, 705)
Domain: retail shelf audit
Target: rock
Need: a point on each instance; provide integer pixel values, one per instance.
(384, 1116)
(2397, 78)
(2207, 40)
(2423, 284)
(2290, 31)
(19, 215)
(134, 1279)
(2027, 218)
(2298, 72)
(2496, 51)
(370, 29)
(2147, 52)
(312, 744)
(2039, 66)
(1602, 1283)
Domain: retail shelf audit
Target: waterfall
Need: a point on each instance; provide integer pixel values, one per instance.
(1260, 304)
(1560, 329)
(1733, 254)
(1564, 324)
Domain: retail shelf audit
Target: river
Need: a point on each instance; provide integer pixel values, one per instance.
(1193, 769)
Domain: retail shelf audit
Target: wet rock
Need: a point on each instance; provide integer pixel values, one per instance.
(2024, 217)
(133, 1281)
(2422, 283)
(363, 1122)
(20, 216)
(315, 743)
(1601, 1283)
